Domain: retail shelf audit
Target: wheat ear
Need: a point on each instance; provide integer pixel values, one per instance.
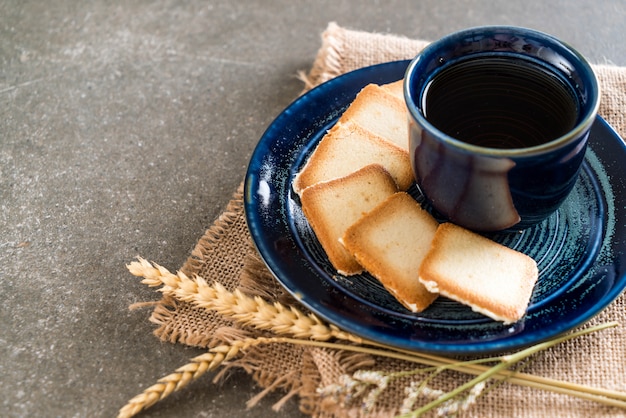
(199, 365)
(246, 310)
(311, 331)
(187, 374)
(171, 383)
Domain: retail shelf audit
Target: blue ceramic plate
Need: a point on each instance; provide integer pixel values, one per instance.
(580, 250)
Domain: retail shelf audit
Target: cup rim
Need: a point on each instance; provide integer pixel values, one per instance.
(583, 66)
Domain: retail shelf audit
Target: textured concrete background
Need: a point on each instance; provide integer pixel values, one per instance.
(124, 128)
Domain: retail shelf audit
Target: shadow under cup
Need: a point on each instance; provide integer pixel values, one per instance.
(499, 119)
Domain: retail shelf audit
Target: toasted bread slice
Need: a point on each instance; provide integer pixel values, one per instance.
(469, 268)
(381, 112)
(331, 207)
(390, 243)
(396, 88)
(348, 147)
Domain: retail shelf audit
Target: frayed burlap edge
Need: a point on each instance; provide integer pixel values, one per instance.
(181, 322)
(212, 236)
(336, 55)
(327, 64)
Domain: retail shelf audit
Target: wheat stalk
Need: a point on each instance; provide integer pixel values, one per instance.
(186, 374)
(220, 354)
(246, 310)
(199, 365)
(308, 329)
(172, 382)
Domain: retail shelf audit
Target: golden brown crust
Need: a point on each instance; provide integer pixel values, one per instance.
(491, 278)
(381, 112)
(348, 147)
(331, 207)
(390, 242)
(396, 88)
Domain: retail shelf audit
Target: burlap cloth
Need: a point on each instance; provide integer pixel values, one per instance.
(225, 254)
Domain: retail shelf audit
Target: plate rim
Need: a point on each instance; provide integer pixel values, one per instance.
(460, 348)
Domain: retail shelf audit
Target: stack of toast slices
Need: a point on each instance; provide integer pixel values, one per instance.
(353, 193)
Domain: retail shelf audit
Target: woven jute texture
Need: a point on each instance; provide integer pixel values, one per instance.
(225, 254)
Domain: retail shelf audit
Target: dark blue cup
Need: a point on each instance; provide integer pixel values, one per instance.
(499, 119)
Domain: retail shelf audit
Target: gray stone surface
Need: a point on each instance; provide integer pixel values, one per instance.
(124, 128)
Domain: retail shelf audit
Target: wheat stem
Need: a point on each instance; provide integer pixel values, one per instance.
(523, 379)
(602, 396)
(505, 362)
(218, 355)
(308, 329)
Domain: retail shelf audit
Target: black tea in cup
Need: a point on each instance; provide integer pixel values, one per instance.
(497, 102)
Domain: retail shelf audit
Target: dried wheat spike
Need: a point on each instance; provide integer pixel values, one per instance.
(183, 376)
(250, 311)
